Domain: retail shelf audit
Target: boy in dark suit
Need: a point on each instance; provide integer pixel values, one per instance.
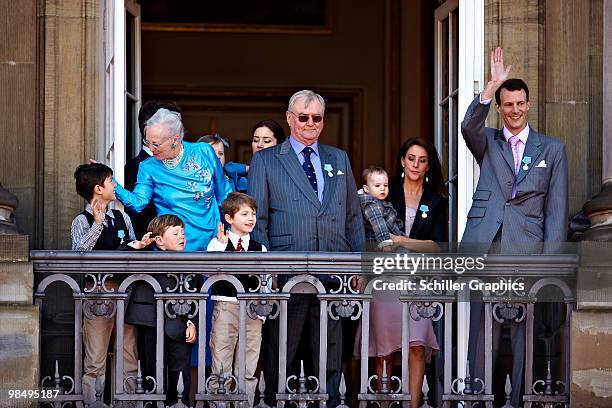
(166, 233)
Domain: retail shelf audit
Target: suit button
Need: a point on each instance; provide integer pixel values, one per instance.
(509, 183)
(507, 204)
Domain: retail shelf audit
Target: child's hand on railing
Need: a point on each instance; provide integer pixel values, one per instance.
(359, 283)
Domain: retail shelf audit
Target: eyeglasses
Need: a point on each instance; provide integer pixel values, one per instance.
(303, 118)
(154, 145)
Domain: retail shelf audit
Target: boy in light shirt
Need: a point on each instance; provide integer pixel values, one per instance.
(240, 213)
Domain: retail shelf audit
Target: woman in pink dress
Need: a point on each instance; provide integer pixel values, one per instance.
(419, 198)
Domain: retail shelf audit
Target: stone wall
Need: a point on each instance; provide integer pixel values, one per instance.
(19, 332)
(70, 110)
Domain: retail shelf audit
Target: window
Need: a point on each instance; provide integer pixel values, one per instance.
(120, 89)
(446, 101)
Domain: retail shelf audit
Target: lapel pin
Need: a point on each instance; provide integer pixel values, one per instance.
(121, 235)
(424, 210)
(526, 162)
(329, 169)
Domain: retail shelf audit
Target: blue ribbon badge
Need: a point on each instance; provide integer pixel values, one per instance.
(526, 162)
(424, 210)
(121, 235)
(329, 169)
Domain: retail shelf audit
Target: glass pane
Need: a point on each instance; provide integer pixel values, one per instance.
(445, 142)
(130, 128)
(444, 57)
(129, 53)
(455, 50)
(453, 190)
(454, 134)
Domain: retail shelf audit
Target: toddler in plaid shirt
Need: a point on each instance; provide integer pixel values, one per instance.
(380, 218)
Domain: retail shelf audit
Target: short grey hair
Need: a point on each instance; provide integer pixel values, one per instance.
(308, 96)
(171, 120)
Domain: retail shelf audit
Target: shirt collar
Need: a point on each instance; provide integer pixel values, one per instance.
(523, 134)
(109, 211)
(298, 146)
(235, 237)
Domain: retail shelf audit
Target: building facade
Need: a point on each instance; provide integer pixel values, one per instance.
(74, 72)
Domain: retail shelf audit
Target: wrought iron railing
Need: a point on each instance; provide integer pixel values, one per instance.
(342, 301)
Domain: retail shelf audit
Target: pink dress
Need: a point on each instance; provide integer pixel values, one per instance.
(386, 322)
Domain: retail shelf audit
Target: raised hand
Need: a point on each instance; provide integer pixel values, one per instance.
(144, 242)
(99, 210)
(222, 234)
(499, 73)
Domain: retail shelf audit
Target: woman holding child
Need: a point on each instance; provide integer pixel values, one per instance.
(413, 217)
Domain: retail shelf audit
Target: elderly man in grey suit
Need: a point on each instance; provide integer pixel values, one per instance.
(306, 201)
(521, 199)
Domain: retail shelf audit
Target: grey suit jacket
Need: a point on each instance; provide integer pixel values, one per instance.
(539, 211)
(289, 214)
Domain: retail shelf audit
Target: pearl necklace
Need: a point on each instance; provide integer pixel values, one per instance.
(173, 163)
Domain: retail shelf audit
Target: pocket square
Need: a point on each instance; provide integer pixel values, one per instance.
(339, 173)
(542, 164)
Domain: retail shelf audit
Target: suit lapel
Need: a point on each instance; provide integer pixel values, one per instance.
(506, 150)
(329, 190)
(291, 163)
(533, 149)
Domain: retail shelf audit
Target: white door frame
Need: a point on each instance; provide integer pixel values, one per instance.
(471, 82)
(113, 92)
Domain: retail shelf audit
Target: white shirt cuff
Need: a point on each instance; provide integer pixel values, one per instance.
(485, 101)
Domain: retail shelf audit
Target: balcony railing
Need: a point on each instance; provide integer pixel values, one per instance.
(337, 300)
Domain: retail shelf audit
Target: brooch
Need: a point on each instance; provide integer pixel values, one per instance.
(424, 210)
(526, 162)
(329, 169)
(121, 235)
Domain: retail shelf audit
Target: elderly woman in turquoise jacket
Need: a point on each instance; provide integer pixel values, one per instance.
(185, 179)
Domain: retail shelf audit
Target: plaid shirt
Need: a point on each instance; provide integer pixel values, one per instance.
(380, 219)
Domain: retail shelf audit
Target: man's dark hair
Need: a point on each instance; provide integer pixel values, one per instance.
(365, 175)
(148, 109)
(88, 176)
(512, 84)
(159, 225)
(231, 205)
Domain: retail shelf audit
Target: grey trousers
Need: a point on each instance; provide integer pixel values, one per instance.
(476, 350)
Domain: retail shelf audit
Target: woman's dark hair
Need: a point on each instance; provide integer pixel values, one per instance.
(436, 181)
(277, 130)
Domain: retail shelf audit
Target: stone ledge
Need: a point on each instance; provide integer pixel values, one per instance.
(19, 352)
(14, 248)
(16, 283)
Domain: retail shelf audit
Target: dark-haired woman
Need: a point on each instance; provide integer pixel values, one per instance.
(266, 133)
(418, 194)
